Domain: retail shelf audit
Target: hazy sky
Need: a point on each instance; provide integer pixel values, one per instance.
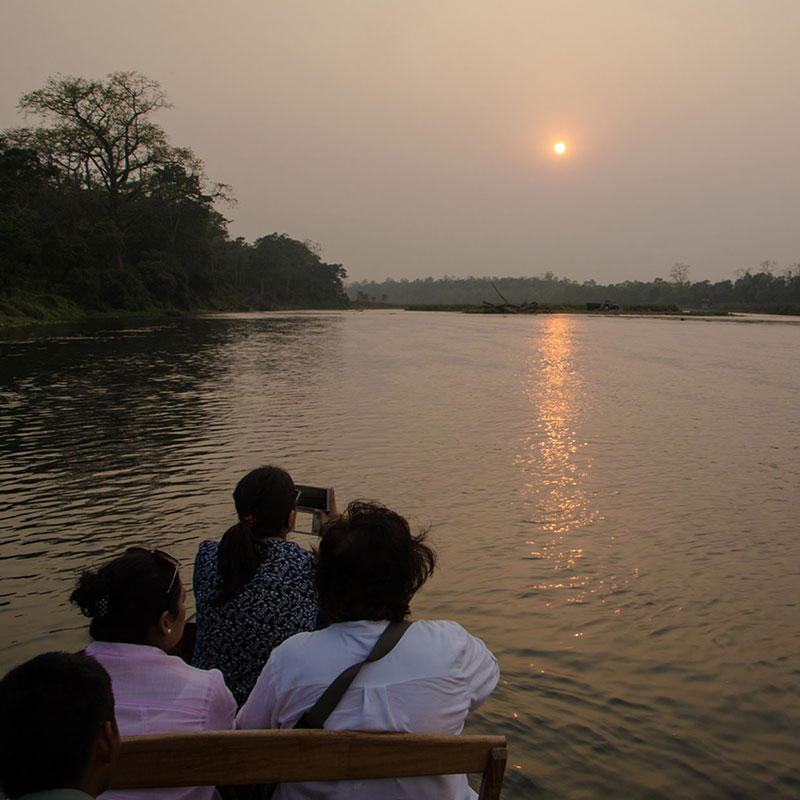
(414, 137)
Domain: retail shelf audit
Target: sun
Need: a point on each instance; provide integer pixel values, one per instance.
(560, 148)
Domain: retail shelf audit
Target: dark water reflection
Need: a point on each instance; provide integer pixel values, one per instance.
(612, 501)
(117, 434)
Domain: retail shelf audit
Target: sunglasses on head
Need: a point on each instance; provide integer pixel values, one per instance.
(171, 560)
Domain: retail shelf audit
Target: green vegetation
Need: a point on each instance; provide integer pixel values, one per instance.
(463, 307)
(552, 308)
(99, 213)
(760, 291)
(39, 306)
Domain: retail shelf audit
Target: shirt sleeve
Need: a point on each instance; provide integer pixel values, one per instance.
(480, 670)
(222, 706)
(258, 710)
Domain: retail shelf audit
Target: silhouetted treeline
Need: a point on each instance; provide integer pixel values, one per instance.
(98, 211)
(751, 290)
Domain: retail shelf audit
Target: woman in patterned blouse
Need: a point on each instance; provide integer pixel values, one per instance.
(253, 589)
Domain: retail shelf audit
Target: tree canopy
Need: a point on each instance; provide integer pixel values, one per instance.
(101, 132)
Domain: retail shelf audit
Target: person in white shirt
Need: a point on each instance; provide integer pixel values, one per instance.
(369, 567)
(136, 603)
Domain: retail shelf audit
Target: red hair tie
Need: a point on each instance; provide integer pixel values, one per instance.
(250, 520)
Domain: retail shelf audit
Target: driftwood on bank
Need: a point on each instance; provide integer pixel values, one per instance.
(508, 308)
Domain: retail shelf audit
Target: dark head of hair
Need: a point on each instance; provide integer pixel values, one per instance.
(369, 565)
(52, 708)
(264, 498)
(126, 596)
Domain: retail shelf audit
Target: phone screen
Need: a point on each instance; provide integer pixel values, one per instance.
(313, 498)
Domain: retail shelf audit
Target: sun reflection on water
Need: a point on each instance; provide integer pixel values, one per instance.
(553, 460)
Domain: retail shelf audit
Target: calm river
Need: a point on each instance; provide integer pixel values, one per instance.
(614, 502)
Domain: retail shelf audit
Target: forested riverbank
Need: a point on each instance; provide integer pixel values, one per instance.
(100, 213)
(766, 289)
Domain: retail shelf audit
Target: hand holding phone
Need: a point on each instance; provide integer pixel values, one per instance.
(332, 513)
(313, 498)
(319, 502)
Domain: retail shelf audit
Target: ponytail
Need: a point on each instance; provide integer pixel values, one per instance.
(237, 562)
(264, 499)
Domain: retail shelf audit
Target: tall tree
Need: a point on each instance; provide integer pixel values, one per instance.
(679, 273)
(97, 179)
(101, 135)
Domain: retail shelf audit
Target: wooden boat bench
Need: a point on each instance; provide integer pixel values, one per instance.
(224, 758)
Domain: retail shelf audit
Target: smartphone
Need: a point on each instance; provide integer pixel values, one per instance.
(313, 498)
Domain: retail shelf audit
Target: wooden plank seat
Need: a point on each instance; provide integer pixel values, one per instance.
(223, 758)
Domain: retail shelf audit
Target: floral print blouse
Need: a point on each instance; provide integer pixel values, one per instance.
(238, 636)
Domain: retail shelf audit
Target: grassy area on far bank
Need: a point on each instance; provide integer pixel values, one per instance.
(575, 308)
(21, 308)
(25, 307)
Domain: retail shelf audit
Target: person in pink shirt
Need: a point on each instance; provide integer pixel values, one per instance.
(136, 604)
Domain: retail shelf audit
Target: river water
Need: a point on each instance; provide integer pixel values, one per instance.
(613, 500)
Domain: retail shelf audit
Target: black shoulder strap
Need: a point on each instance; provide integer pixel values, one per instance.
(316, 715)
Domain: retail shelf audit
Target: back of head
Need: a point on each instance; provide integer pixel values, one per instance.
(264, 499)
(370, 565)
(127, 595)
(267, 497)
(52, 708)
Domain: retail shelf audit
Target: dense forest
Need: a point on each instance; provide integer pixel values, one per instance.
(760, 289)
(99, 212)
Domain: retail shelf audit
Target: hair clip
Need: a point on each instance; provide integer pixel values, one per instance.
(102, 607)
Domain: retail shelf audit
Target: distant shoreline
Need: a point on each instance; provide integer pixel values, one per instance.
(7, 322)
(568, 308)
